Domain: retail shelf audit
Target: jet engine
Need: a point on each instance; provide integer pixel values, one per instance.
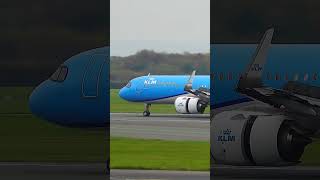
(255, 138)
(189, 105)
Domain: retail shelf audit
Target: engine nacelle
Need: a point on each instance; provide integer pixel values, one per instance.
(255, 138)
(189, 105)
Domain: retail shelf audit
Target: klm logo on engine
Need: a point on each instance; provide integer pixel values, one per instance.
(180, 104)
(256, 67)
(226, 136)
(150, 81)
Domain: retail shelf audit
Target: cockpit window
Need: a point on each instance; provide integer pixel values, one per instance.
(128, 85)
(60, 74)
(55, 75)
(63, 73)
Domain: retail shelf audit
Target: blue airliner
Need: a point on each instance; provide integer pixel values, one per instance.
(189, 94)
(283, 79)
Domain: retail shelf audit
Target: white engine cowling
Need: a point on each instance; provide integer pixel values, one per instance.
(188, 105)
(246, 138)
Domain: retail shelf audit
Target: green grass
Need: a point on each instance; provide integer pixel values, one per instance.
(24, 137)
(118, 105)
(14, 99)
(311, 156)
(127, 153)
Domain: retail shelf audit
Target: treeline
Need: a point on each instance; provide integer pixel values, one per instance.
(122, 69)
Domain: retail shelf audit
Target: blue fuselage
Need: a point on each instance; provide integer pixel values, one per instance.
(160, 88)
(285, 62)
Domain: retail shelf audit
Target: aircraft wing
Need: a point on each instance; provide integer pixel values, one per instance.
(202, 93)
(298, 106)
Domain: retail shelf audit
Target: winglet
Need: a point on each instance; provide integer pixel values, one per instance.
(252, 76)
(188, 86)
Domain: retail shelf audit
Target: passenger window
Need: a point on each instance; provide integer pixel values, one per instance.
(221, 76)
(230, 76)
(269, 77)
(240, 76)
(315, 76)
(296, 77)
(212, 76)
(306, 77)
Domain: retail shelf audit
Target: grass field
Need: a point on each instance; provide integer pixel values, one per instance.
(119, 105)
(24, 137)
(129, 153)
(311, 154)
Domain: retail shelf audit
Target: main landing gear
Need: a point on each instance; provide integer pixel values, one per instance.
(146, 111)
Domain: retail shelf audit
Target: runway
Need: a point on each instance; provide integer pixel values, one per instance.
(96, 171)
(158, 175)
(222, 172)
(161, 126)
(261, 172)
(52, 171)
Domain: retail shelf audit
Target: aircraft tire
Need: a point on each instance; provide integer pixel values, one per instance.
(146, 113)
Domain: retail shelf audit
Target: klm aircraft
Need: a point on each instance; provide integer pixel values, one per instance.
(283, 80)
(189, 94)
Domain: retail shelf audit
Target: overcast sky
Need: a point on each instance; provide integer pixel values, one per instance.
(160, 25)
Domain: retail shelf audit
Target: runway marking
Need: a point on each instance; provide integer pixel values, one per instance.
(161, 120)
(161, 131)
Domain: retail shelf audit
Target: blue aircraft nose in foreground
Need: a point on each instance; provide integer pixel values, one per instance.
(77, 94)
(124, 92)
(132, 90)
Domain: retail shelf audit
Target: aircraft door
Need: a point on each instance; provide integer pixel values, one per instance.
(92, 76)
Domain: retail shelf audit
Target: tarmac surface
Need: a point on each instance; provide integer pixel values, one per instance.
(54, 171)
(263, 172)
(158, 175)
(161, 126)
(222, 172)
(97, 171)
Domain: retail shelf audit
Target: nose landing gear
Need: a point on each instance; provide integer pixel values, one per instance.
(146, 111)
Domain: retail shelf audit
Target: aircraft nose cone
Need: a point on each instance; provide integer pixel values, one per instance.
(123, 93)
(40, 101)
(36, 102)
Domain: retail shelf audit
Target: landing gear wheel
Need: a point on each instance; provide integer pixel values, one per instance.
(146, 113)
